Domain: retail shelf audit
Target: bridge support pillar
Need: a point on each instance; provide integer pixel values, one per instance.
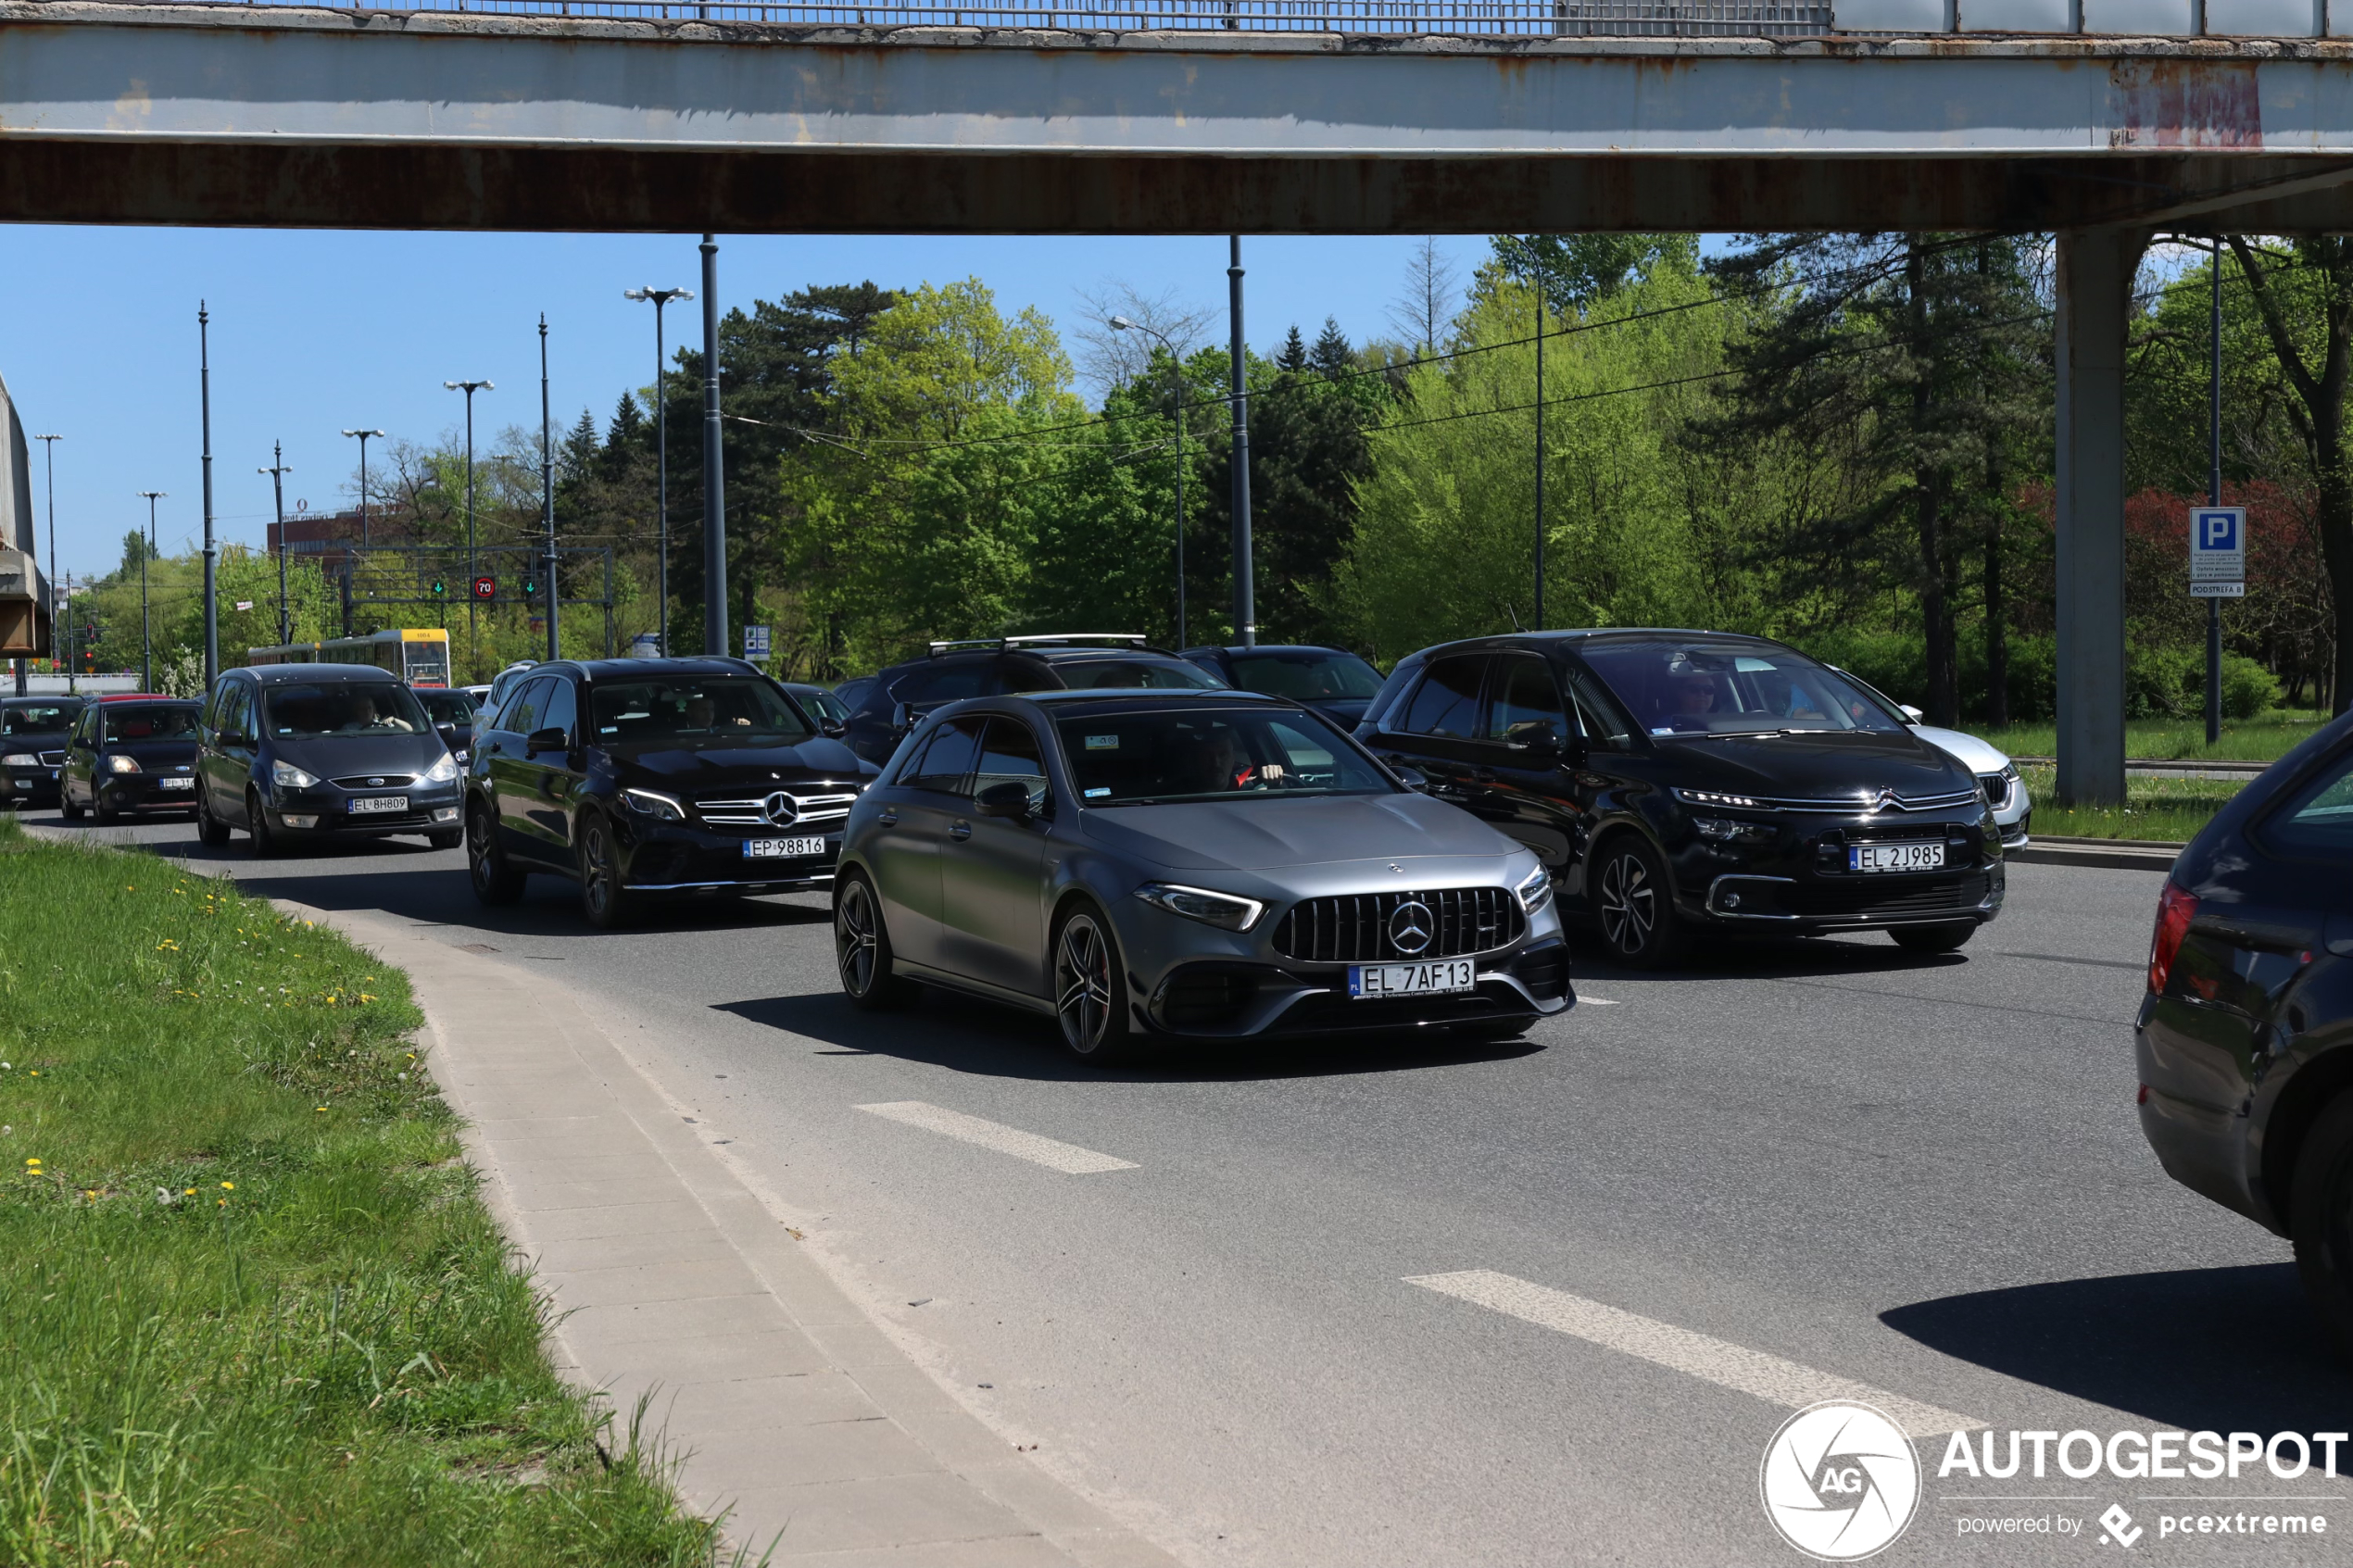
(2096, 269)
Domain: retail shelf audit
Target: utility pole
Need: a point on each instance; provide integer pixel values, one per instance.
(146, 630)
(661, 461)
(211, 553)
(50, 449)
(547, 491)
(2214, 498)
(474, 646)
(277, 473)
(1245, 602)
(715, 473)
(363, 435)
(1539, 459)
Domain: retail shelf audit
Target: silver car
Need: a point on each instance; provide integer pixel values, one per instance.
(1155, 866)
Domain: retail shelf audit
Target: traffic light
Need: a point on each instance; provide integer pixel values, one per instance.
(440, 588)
(531, 590)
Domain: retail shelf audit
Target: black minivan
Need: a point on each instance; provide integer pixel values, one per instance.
(331, 750)
(1678, 779)
(644, 778)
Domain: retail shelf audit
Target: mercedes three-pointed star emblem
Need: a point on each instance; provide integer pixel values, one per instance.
(1412, 926)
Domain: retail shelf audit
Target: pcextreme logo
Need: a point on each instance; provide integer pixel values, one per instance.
(1840, 1480)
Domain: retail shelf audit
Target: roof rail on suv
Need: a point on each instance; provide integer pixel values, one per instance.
(1041, 639)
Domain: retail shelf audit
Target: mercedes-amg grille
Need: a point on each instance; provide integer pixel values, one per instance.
(1386, 928)
(776, 808)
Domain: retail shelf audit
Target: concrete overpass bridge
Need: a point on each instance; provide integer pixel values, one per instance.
(2102, 119)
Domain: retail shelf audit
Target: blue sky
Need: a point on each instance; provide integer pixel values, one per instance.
(314, 331)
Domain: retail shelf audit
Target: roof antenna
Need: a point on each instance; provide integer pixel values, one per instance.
(1514, 616)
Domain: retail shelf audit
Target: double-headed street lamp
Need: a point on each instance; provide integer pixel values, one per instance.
(363, 435)
(1177, 378)
(277, 473)
(661, 455)
(470, 388)
(146, 634)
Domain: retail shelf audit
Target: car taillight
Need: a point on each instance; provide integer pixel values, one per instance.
(2174, 907)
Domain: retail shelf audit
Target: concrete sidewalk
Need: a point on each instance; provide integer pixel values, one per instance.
(674, 1280)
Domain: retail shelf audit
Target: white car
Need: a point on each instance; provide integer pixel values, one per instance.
(1996, 775)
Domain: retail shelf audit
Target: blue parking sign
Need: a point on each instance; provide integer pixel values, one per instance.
(755, 642)
(2218, 552)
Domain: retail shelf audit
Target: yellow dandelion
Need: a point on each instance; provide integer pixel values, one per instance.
(190, 1193)
(228, 1186)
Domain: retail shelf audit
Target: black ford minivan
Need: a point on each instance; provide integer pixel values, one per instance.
(335, 751)
(1677, 780)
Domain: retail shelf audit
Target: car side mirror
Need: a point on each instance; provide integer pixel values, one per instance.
(1412, 778)
(903, 718)
(547, 740)
(449, 732)
(832, 728)
(1009, 799)
(1911, 715)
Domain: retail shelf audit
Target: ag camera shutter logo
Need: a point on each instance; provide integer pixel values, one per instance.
(1840, 1480)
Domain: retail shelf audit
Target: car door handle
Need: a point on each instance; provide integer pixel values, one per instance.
(960, 830)
(890, 817)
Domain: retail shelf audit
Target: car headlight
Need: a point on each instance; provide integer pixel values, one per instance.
(1227, 912)
(443, 772)
(117, 763)
(652, 803)
(1723, 830)
(20, 759)
(1713, 797)
(1536, 891)
(285, 775)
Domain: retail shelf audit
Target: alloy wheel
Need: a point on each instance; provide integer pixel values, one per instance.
(1629, 904)
(854, 939)
(478, 853)
(1083, 983)
(596, 871)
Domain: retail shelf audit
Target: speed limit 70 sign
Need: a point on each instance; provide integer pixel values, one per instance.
(486, 588)
(2218, 552)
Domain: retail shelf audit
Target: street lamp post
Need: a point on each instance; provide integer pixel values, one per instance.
(211, 553)
(1245, 598)
(714, 468)
(146, 630)
(547, 494)
(50, 450)
(1176, 382)
(473, 649)
(277, 473)
(661, 458)
(363, 435)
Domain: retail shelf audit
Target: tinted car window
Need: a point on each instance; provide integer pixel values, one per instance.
(1306, 674)
(1447, 702)
(562, 711)
(1010, 755)
(2318, 818)
(1027, 675)
(1693, 688)
(305, 711)
(150, 724)
(446, 706)
(521, 715)
(1603, 726)
(1162, 674)
(729, 710)
(944, 682)
(1527, 703)
(36, 718)
(1136, 758)
(946, 759)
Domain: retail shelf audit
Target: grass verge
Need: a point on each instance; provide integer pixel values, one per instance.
(252, 1310)
(2171, 810)
(2265, 738)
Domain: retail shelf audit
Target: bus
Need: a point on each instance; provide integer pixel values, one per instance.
(420, 656)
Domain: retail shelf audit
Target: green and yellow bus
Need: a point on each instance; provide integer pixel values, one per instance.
(418, 656)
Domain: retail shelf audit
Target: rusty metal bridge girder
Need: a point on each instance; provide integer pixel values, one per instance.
(293, 116)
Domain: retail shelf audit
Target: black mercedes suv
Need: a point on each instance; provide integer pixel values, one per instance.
(994, 666)
(1674, 780)
(33, 747)
(649, 777)
(2245, 1038)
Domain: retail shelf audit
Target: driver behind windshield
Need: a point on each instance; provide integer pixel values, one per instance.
(302, 712)
(724, 709)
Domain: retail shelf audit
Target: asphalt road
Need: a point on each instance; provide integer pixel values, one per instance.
(1920, 1174)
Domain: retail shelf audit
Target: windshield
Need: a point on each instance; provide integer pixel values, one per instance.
(1155, 674)
(1696, 689)
(1219, 754)
(447, 706)
(1306, 674)
(820, 703)
(150, 724)
(721, 709)
(40, 717)
(308, 712)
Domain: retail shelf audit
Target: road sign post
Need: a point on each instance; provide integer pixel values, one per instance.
(2218, 552)
(755, 642)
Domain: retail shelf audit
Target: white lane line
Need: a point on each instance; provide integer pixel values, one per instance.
(1055, 1155)
(1596, 1001)
(1770, 1378)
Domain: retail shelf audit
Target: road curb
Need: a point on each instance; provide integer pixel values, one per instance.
(2111, 854)
(2167, 765)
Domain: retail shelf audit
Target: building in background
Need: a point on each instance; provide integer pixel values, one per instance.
(24, 616)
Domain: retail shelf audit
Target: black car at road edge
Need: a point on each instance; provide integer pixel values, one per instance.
(131, 754)
(1680, 780)
(32, 747)
(643, 778)
(2245, 1038)
(320, 751)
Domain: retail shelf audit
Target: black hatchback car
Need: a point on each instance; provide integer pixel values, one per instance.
(334, 751)
(1676, 780)
(32, 747)
(1333, 681)
(999, 666)
(647, 777)
(131, 756)
(2245, 1040)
